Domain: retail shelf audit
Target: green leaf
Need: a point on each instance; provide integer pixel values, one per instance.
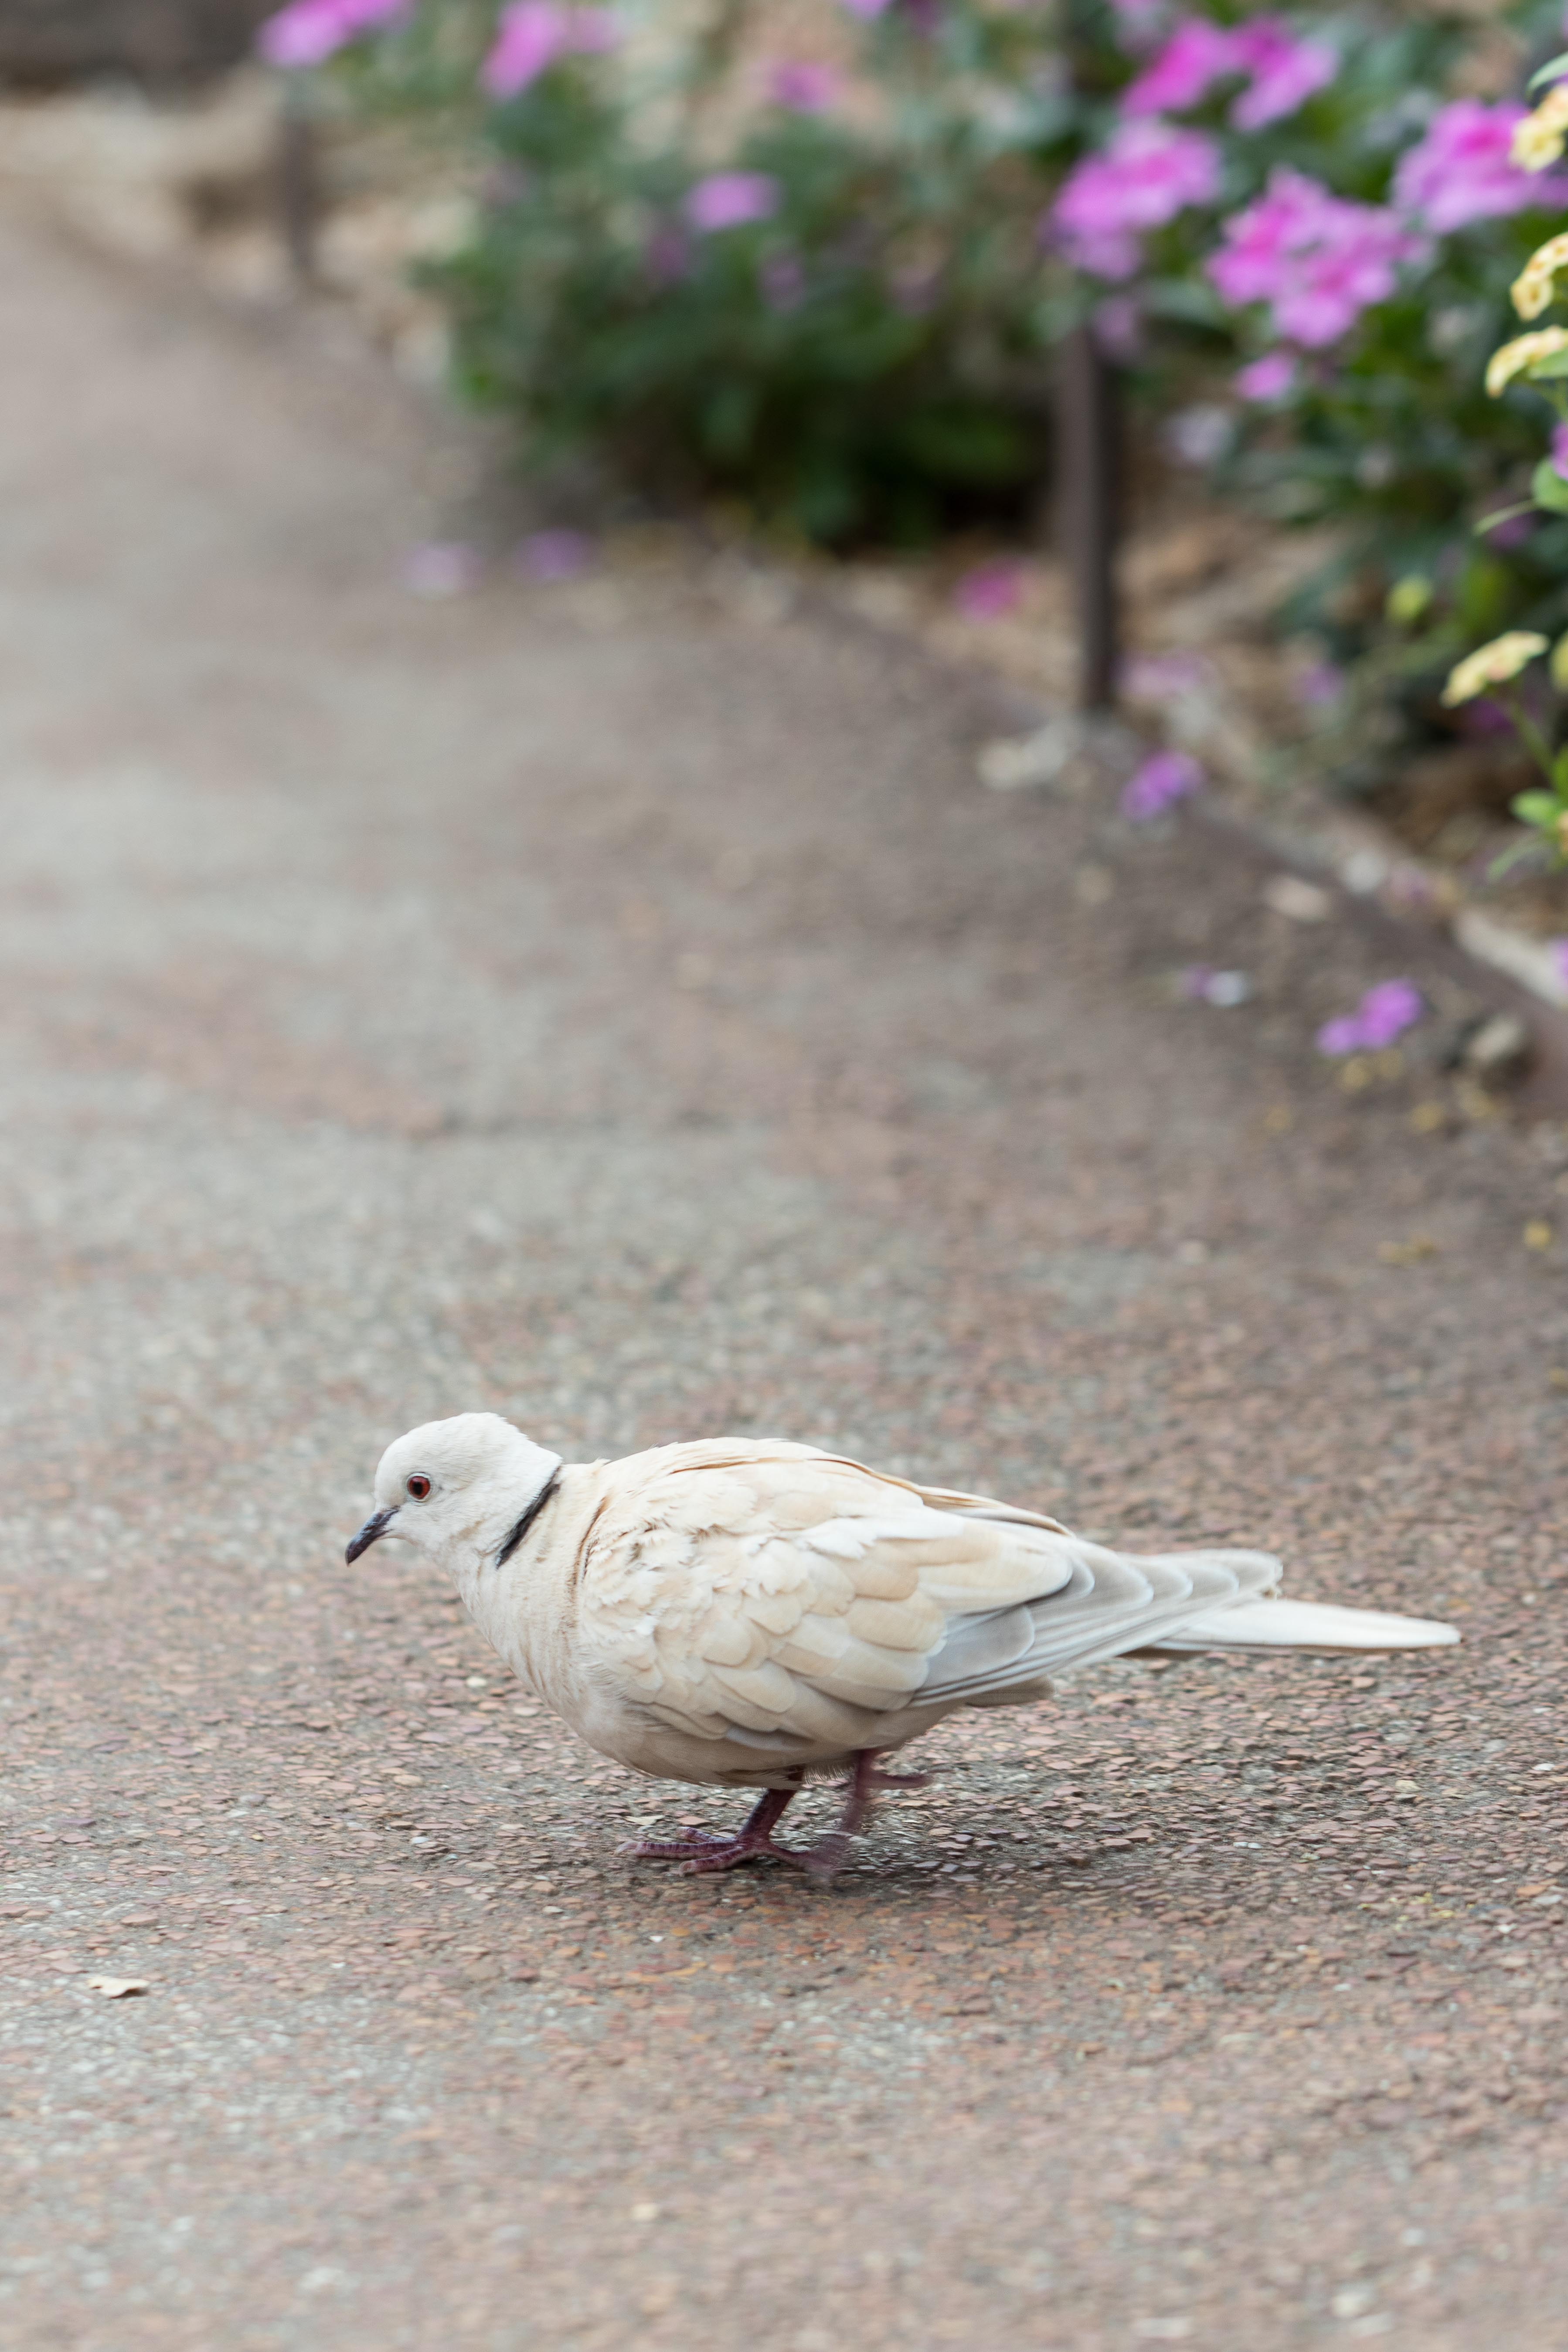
(1555, 364)
(1552, 70)
(1503, 514)
(1548, 488)
(1541, 809)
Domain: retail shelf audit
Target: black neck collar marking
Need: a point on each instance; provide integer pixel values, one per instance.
(528, 1517)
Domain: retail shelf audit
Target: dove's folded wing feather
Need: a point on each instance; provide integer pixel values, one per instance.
(781, 1597)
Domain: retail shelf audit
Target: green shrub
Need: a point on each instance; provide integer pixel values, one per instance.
(864, 357)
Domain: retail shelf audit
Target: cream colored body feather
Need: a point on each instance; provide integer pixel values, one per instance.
(741, 1611)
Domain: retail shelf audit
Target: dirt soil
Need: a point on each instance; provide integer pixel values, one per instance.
(618, 1004)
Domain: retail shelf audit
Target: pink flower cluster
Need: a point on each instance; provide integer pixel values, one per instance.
(1268, 379)
(1280, 73)
(1462, 170)
(731, 199)
(533, 35)
(308, 32)
(803, 85)
(992, 590)
(1165, 778)
(1146, 175)
(1317, 259)
(1384, 1013)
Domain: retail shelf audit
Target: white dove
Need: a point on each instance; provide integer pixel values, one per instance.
(745, 1612)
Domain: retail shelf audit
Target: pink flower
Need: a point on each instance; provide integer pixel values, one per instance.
(1558, 451)
(1285, 72)
(991, 590)
(803, 86)
(1460, 171)
(731, 199)
(1269, 378)
(1281, 71)
(1384, 1013)
(1164, 780)
(310, 31)
(1341, 1036)
(1197, 56)
(1318, 259)
(1558, 951)
(1387, 1010)
(1146, 175)
(531, 34)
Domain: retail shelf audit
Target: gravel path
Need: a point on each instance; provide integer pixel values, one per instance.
(616, 1004)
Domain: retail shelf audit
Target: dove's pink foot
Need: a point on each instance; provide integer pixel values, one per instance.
(827, 1857)
(704, 1852)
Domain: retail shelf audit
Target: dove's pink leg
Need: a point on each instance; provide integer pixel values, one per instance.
(702, 1850)
(827, 1857)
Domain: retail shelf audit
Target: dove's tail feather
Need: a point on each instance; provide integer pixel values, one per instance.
(1264, 1624)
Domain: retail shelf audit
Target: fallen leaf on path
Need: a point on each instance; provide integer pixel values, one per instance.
(1408, 1253)
(117, 1987)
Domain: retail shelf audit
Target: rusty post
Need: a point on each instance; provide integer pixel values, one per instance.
(1089, 495)
(298, 179)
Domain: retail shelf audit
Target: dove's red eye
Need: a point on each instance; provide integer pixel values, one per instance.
(418, 1487)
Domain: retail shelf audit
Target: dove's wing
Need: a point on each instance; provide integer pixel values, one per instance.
(780, 1597)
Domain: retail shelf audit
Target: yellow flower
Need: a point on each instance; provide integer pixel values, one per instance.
(1408, 599)
(1492, 665)
(1525, 352)
(1535, 286)
(1538, 141)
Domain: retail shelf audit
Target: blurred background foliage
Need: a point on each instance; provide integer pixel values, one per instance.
(816, 261)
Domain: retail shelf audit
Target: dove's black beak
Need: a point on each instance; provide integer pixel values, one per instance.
(370, 1533)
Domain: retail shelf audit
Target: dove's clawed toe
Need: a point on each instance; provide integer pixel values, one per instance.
(703, 1851)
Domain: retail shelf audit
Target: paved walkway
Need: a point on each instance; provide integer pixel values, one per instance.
(618, 1006)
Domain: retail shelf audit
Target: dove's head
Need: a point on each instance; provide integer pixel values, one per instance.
(456, 1488)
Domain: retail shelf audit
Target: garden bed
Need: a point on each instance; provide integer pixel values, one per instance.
(187, 182)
